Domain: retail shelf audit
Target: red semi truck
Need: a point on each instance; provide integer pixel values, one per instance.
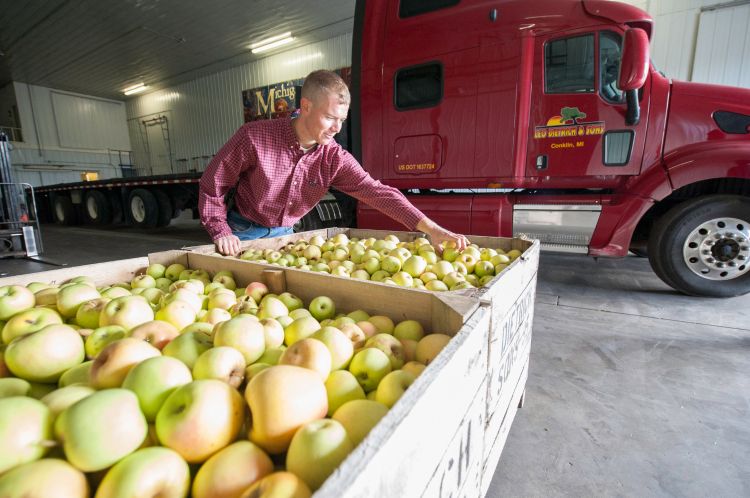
(547, 118)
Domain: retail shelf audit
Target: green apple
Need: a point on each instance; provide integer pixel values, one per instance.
(371, 265)
(47, 297)
(82, 279)
(254, 369)
(360, 275)
(147, 472)
(273, 332)
(222, 363)
(25, 431)
(191, 296)
(39, 390)
(484, 268)
(391, 264)
(156, 270)
(153, 380)
(15, 299)
(415, 265)
(338, 344)
(188, 346)
(308, 353)
(86, 429)
(214, 316)
(244, 305)
(243, 333)
(322, 307)
(369, 366)
(115, 292)
(299, 313)
(143, 282)
(409, 329)
(231, 471)
(403, 279)
(29, 321)
(173, 271)
(271, 355)
(13, 386)
(101, 337)
(42, 478)
(316, 450)
(158, 333)
(222, 298)
(178, 313)
(430, 346)
(79, 374)
(127, 312)
(114, 362)
(442, 268)
(37, 286)
(44, 355)
(291, 301)
(72, 296)
(486, 279)
(163, 284)
(383, 323)
(299, 329)
(226, 280)
(436, 285)
(203, 327)
(390, 346)
(342, 386)
(393, 386)
(88, 313)
(358, 315)
(60, 399)
(200, 418)
(272, 307)
(500, 259)
(359, 417)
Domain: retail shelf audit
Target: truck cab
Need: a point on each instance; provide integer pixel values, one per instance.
(547, 119)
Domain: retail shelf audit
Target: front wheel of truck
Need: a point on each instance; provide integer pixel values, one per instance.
(701, 247)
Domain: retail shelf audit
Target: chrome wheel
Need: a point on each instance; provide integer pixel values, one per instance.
(718, 249)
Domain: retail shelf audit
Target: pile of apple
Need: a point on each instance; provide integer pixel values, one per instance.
(391, 261)
(177, 383)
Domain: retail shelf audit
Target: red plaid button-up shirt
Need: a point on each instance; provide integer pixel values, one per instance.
(277, 184)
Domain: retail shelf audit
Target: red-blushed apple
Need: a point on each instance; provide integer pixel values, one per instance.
(127, 312)
(393, 386)
(231, 471)
(245, 334)
(25, 431)
(322, 307)
(280, 484)
(101, 337)
(42, 478)
(308, 353)
(13, 386)
(79, 374)
(256, 290)
(222, 363)
(200, 418)
(390, 346)
(86, 429)
(316, 450)
(178, 313)
(282, 398)
(44, 355)
(299, 329)
(355, 335)
(117, 359)
(369, 366)
(338, 344)
(383, 323)
(71, 296)
(147, 472)
(430, 346)
(409, 329)
(158, 333)
(410, 349)
(153, 380)
(359, 417)
(29, 321)
(342, 386)
(188, 346)
(413, 367)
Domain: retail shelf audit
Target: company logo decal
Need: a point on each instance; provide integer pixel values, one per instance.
(569, 125)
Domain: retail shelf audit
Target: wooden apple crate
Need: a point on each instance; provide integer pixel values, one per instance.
(445, 436)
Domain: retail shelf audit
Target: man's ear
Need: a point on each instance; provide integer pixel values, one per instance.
(305, 104)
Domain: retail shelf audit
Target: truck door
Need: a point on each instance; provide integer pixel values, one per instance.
(577, 126)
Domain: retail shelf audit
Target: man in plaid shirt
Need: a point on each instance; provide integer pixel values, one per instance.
(283, 167)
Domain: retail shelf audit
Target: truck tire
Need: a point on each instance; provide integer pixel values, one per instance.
(97, 209)
(311, 221)
(63, 210)
(143, 208)
(165, 208)
(701, 247)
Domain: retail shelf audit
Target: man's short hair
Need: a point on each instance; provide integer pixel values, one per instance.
(320, 83)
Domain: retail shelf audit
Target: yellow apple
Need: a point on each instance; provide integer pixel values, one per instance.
(393, 386)
(222, 363)
(383, 323)
(308, 353)
(115, 361)
(299, 329)
(231, 470)
(46, 354)
(158, 333)
(29, 321)
(338, 344)
(46, 477)
(359, 417)
(25, 430)
(147, 472)
(342, 386)
(413, 367)
(316, 450)
(430, 346)
(244, 333)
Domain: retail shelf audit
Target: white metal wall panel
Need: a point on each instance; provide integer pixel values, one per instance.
(672, 46)
(722, 53)
(89, 123)
(207, 111)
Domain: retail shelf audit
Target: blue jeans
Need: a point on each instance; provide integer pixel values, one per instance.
(245, 229)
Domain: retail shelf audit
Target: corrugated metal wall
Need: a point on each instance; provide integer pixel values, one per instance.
(65, 134)
(204, 113)
(722, 52)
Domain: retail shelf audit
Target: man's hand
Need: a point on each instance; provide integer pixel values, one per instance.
(228, 245)
(439, 235)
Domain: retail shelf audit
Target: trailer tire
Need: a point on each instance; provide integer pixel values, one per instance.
(165, 208)
(97, 209)
(701, 247)
(63, 210)
(143, 208)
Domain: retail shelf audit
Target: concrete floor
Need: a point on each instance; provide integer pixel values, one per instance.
(633, 390)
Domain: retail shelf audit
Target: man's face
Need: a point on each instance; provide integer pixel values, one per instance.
(324, 117)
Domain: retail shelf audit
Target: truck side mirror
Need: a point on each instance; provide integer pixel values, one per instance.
(633, 71)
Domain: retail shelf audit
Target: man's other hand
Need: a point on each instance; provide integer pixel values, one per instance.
(228, 245)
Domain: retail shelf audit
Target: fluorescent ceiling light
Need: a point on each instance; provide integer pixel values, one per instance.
(135, 89)
(273, 42)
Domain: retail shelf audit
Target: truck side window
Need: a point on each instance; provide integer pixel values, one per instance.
(418, 86)
(569, 65)
(610, 54)
(410, 8)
